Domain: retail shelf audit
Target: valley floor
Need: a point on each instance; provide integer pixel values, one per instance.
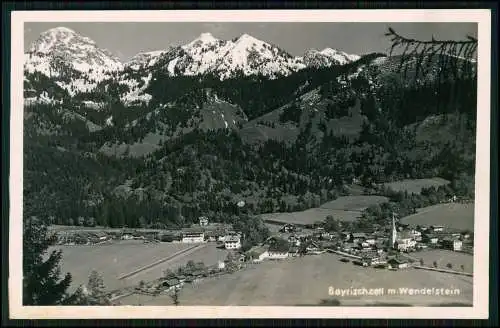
(123, 258)
(306, 281)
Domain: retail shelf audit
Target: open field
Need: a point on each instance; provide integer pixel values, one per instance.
(208, 254)
(345, 208)
(76, 228)
(443, 257)
(305, 281)
(104, 229)
(117, 259)
(452, 215)
(310, 216)
(415, 186)
(354, 203)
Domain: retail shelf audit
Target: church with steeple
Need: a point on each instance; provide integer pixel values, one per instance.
(401, 241)
(394, 235)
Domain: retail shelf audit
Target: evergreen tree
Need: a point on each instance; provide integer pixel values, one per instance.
(42, 284)
(96, 291)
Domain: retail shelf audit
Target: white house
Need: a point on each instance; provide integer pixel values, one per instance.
(417, 235)
(397, 263)
(345, 236)
(294, 240)
(221, 265)
(99, 236)
(437, 228)
(229, 235)
(203, 221)
(430, 238)
(457, 245)
(232, 242)
(277, 255)
(453, 244)
(172, 284)
(358, 237)
(405, 244)
(294, 251)
(288, 228)
(193, 237)
(421, 246)
(326, 235)
(348, 247)
(372, 260)
(370, 241)
(364, 244)
(259, 253)
(466, 235)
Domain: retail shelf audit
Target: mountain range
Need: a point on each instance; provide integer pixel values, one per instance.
(195, 128)
(61, 51)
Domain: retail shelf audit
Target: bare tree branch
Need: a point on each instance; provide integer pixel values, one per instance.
(455, 58)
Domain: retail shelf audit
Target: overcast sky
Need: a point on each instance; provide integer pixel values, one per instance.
(127, 39)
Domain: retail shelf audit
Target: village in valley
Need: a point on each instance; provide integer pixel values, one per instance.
(398, 246)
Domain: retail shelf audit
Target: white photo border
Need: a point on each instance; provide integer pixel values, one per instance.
(480, 307)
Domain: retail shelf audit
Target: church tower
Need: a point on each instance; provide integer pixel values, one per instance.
(394, 232)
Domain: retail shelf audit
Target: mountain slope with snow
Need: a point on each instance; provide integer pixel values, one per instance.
(226, 59)
(78, 52)
(74, 61)
(327, 57)
(200, 109)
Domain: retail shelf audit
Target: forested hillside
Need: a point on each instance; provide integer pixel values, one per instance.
(192, 150)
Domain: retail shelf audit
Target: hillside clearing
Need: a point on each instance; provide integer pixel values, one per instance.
(415, 186)
(354, 203)
(345, 208)
(452, 215)
(310, 216)
(148, 145)
(269, 125)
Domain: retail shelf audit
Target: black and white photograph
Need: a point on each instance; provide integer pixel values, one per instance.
(191, 161)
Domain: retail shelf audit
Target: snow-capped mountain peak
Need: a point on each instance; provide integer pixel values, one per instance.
(145, 59)
(339, 55)
(74, 50)
(329, 52)
(61, 29)
(247, 39)
(204, 39)
(57, 39)
(327, 57)
(75, 61)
